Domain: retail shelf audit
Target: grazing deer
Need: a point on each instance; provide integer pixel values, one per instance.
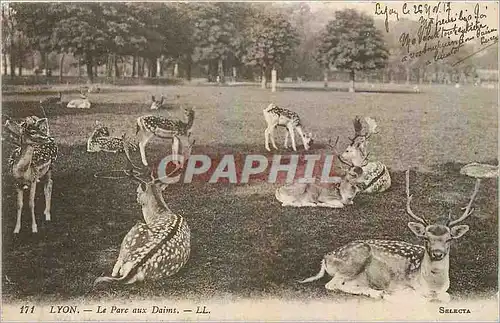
(332, 195)
(81, 103)
(158, 126)
(376, 176)
(101, 140)
(377, 268)
(31, 162)
(160, 246)
(276, 116)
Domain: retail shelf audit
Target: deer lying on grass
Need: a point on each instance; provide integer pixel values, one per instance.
(158, 126)
(376, 176)
(280, 117)
(378, 268)
(31, 162)
(81, 103)
(157, 104)
(101, 140)
(158, 247)
(332, 195)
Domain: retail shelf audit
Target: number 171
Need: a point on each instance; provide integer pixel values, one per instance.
(25, 309)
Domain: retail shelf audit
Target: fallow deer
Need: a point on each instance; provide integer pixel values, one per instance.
(81, 103)
(280, 117)
(101, 140)
(384, 268)
(158, 126)
(31, 162)
(376, 175)
(158, 247)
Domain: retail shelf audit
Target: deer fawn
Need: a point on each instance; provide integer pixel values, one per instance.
(276, 116)
(377, 177)
(101, 140)
(160, 246)
(158, 126)
(332, 195)
(31, 162)
(376, 268)
(81, 103)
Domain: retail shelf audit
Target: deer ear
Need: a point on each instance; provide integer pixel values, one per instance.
(417, 228)
(153, 98)
(162, 99)
(458, 231)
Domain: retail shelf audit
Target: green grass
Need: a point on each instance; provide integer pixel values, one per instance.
(244, 243)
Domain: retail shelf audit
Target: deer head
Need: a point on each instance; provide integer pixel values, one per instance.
(100, 130)
(156, 104)
(360, 139)
(352, 156)
(438, 235)
(31, 128)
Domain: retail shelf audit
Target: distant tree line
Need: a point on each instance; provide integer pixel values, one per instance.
(220, 40)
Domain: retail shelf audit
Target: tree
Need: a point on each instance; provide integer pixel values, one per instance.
(270, 42)
(351, 43)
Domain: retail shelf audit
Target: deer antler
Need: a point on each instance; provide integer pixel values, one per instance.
(408, 200)
(468, 209)
(357, 126)
(133, 170)
(334, 147)
(372, 126)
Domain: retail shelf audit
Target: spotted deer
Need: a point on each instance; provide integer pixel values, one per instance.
(377, 177)
(178, 131)
(281, 117)
(332, 195)
(30, 163)
(385, 268)
(158, 247)
(101, 140)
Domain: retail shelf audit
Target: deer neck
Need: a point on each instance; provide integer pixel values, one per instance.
(155, 207)
(23, 163)
(435, 274)
(190, 121)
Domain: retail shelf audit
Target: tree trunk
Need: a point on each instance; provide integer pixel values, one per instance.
(117, 68)
(263, 83)
(189, 63)
(176, 70)
(20, 67)
(134, 62)
(90, 68)
(143, 65)
(12, 66)
(353, 78)
(325, 77)
(408, 75)
(220, 70)
(61, 69)
(4, 57)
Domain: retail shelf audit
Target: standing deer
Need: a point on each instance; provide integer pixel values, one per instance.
(31, 162)
(101, 140)
(280, 117)
(377, 178)
(377, 268)
(158, 126)
(158, 247)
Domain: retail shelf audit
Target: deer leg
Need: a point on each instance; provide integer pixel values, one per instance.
(266, 134)
(175, 149)
(20, 198)
(301, 134)
(271, 134)
(286, 139)
(142, 147)
(34, 227)
(48, 195)
(292, 136)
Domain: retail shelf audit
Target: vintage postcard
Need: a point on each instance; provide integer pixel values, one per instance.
(250, 161)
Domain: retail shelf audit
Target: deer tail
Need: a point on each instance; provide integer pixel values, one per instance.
(319, 275)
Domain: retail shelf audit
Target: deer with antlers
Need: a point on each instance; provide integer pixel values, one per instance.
(379, 268)
(158, 247)
(178, 131)
(101, 140)
(377, 178)
(31, 162)
(281, 117)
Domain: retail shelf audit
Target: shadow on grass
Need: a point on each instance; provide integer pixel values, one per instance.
(243, 242)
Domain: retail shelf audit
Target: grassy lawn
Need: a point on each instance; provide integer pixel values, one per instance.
(244, 244)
